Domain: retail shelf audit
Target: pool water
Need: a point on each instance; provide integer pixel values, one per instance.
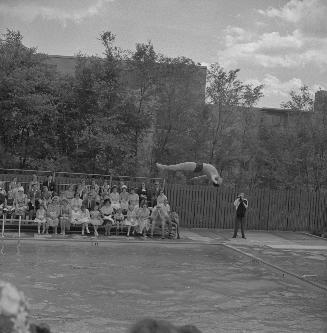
(79, 287)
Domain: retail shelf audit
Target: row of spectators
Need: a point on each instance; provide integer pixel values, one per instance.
(83, 204)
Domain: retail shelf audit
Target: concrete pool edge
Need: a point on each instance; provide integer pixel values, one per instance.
(275, 267)
(110, 241)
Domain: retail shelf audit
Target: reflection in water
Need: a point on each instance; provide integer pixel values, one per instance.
(18, 247)
(2, 251)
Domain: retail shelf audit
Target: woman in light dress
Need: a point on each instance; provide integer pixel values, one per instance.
(133, 198)
(21, 203)
(131, 220)
(114, 198)
(124, 197)
(53, 213)
(65, 216)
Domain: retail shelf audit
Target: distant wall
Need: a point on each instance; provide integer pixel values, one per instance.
(320, 104)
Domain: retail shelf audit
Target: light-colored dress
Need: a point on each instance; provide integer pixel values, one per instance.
(161, 200)
(124, 197)
(76, 205)
(166, 208)
(143, 218)
(96, 217)
(66, 215)
(134, 199)
(131, 219)
(84, 217)
(40, 216)
(114, 198)
(53, 212)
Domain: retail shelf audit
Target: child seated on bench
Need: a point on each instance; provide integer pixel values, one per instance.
(119, 219)
(40, 218)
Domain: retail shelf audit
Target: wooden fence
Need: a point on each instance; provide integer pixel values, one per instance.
(207, 207)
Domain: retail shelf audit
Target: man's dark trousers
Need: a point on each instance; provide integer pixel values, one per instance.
(239, 220)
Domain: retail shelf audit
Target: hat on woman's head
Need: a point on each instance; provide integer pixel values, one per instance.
(124, 186)
(55, 198)
(21, 189)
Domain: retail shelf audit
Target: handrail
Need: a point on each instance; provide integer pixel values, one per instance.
(89, 175)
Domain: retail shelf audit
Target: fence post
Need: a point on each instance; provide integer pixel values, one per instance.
(19, 223)
(3, 225)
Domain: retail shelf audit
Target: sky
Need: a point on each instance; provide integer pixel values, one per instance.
(280, 43)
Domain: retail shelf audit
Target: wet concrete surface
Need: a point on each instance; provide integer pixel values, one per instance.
(79, 287)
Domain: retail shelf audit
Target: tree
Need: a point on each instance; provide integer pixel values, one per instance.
(230, 116)
(28, 115)
(300, 100)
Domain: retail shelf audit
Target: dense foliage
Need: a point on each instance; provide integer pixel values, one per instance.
(99, 121)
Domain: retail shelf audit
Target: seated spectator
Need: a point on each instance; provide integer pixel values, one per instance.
(65, 216)
(124, 197)
(40, 218)
(121, 184)
(70, 192)
(3, 199)
(166, 207)
(82, 189)
(52, 215)
(21, 203)
(131, 220)
(106, 213)
(34, 197)
(50, 184)
(79, 191)
(93, 198)
(46, 195)
(143, 193)
(155, 194)
(105, 190)
(114, 198)
(143, 218)
(161, 198)
(134, 198)
(119, 219)
(10, 205)
(84, 219)
(76, 205)
(34, 181)
(96, 218)
(95, 186)
(13, 185)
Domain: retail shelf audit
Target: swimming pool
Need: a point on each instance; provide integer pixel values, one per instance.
(79, 287)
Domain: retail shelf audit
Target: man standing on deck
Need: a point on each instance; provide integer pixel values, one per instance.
(241, 204)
